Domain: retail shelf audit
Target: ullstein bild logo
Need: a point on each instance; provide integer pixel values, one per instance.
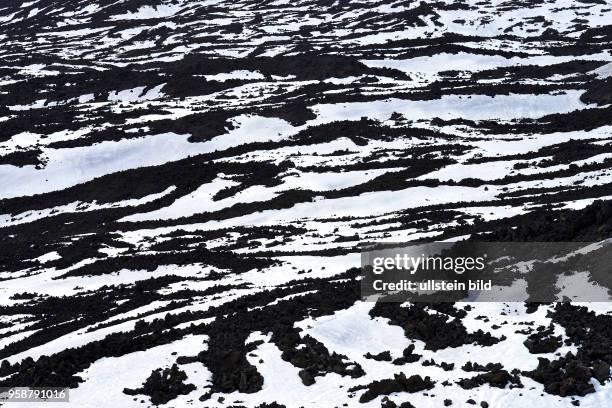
(487, 271)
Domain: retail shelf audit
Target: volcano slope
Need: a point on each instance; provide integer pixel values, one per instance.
(185, 185)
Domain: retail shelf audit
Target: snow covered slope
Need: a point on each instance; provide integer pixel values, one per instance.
(188, 182)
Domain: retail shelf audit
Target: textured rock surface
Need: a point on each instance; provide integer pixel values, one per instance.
(188, 182)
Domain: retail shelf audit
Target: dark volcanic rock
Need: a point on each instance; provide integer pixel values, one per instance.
(495, 378)
(163, 385)
(399, 383)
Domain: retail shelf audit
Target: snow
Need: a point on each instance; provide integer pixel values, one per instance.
(78, 206)
(136, 94)
(363, 205)
(475, 107)
(196, 202)
(577, 286)
(352, 332)
(239, 74)
(106, 378)
(71, 166)
(430, 66)
(151, 37)
(148, 12)
(200, 200)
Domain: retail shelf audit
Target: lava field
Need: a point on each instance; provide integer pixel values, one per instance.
(186, 185)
